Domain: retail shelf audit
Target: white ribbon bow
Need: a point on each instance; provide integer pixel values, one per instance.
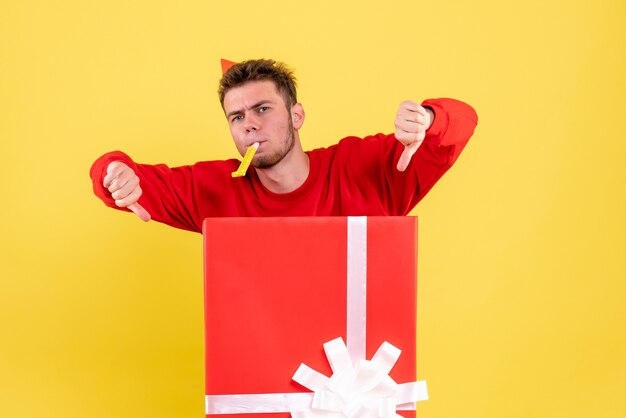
(364, 391)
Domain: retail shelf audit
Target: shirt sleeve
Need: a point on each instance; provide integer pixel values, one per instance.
(447, 136)
(450, 131)
(167, 193)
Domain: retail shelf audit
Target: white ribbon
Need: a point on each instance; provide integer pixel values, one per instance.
(364, 390)
(358, 388)
(356, 287)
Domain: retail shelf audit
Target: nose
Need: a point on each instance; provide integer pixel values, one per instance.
(251, 122)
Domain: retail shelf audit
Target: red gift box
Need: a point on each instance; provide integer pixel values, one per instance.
(277, 289)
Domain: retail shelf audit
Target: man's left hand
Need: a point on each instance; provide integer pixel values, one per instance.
(412, 121)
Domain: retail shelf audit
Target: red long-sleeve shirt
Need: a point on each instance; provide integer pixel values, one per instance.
(354, 177)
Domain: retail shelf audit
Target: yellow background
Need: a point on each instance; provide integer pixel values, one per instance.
(522, 253)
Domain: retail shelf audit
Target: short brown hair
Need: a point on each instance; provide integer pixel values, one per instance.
(258, 70)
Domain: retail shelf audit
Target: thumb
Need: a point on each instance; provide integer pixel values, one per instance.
(140, 211)
(406, 156)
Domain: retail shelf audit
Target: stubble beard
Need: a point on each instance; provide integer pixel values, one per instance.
(267, 161)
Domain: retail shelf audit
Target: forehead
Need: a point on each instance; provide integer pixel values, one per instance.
(250, 93)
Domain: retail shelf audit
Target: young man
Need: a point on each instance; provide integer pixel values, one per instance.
(376, 175)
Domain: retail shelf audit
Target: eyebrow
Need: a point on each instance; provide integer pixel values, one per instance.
(254, 106)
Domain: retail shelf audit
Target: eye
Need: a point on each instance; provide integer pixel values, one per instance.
(236, 118)
(263, 109)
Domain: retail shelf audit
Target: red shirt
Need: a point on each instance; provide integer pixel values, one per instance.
(354, 177)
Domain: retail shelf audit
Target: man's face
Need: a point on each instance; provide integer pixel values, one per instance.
(256, 112)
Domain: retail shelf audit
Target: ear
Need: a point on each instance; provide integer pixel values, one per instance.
(297, 115)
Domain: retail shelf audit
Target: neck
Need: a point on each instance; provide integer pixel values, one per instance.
(287, 175)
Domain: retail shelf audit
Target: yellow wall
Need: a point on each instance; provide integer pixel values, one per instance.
(522, 245)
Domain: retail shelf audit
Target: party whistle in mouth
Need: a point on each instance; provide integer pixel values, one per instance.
(245, 163)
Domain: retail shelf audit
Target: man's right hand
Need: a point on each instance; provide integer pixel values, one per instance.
(123, 184)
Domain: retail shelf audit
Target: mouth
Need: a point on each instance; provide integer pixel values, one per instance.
(258, 142)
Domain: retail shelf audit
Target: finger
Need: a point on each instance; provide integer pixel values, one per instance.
(411, 108)
(407, 138)
(109, 178)
(129, 199)
(406, 156)
(114, 170)
(140, 212)
(126, 189)
(419, 117)
(124, 179)
(412, 118)
(106, 182)
(421, 110)
(118, 182)
(409, 105)
(411, 126)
